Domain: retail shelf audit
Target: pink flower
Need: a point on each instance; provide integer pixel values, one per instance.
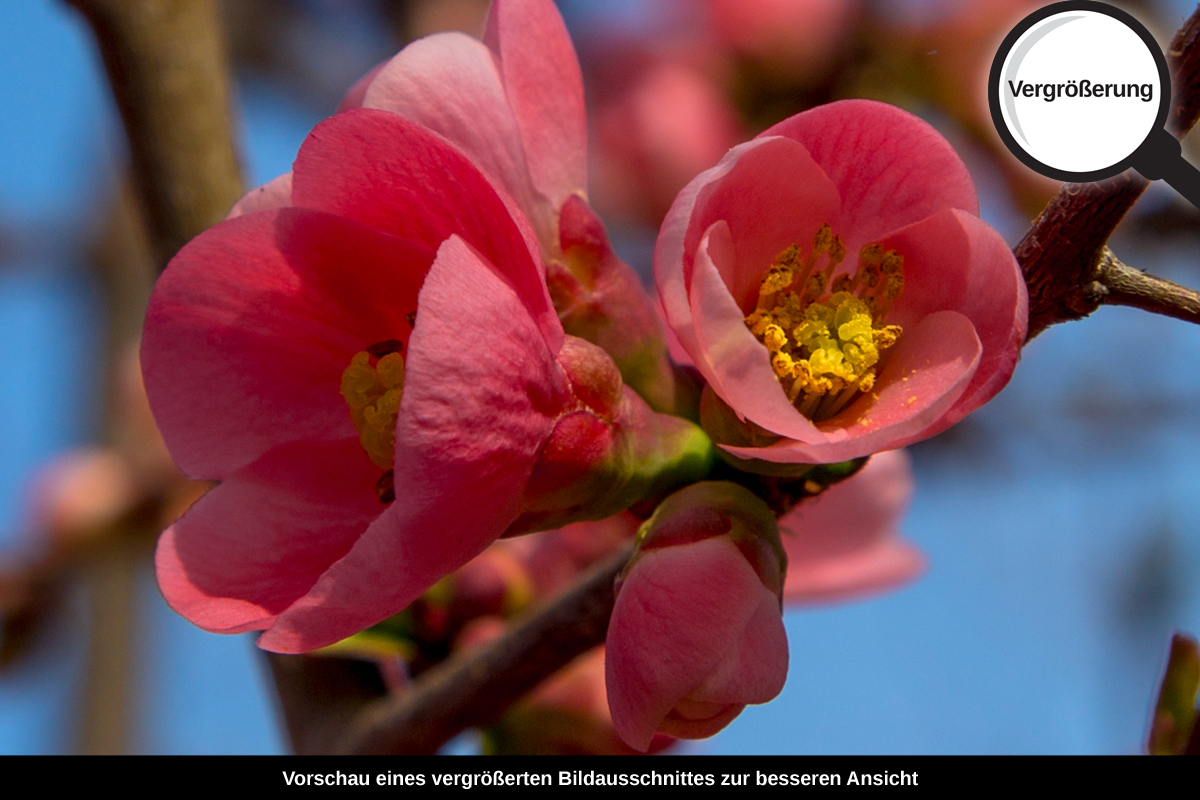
(514, 104)
(378, 379)
(696, 632)
(822, 362)
(844, 543)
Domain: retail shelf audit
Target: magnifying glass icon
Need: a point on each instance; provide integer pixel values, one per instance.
(1080, 91)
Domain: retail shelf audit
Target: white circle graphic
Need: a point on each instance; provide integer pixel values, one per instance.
(1079, 91)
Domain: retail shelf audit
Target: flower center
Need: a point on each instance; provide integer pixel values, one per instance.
(372, 391)
(826, 334)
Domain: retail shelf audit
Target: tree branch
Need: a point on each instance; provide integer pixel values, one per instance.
(1059, 253)
(1118, 284)
(166, 64)
(319, 697)
(475, 688)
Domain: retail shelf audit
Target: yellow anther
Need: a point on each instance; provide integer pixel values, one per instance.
(774, 338)
(886, 336)
(758, 321)
(892, 263)
(391, 370)
(837, 251)
(357, 380)
(871, 255)
(822, 240)
(373, 395)
(778, 278)
(790, 257)
(783, 365)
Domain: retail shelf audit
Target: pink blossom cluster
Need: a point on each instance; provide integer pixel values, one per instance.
(419, 341)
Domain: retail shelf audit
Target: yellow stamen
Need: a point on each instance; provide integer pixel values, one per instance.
(825, 332)
(822, 240)
(783, 365)
(774, 338)
(373, 395)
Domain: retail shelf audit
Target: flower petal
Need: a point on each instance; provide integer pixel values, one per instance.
(844, 543)
(886, 565)
(679, 613)
(924, 375)
(755, 667)
(775, 195)
(672, 260)
(275, 193)
(451, 84)
(252, 545)
(770, 193)
(545, 87)
(356, 94)
(481, 388)
(692, 719)
(254, 321)
(397, 176)
(962, 264)
(735, 363)
(890, 168)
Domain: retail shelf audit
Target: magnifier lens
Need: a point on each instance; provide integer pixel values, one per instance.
(1080, 91)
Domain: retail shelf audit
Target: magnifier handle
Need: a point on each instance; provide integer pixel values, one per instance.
(1161, 158)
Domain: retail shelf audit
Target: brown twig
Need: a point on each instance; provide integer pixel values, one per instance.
(166, 64)
(475, 688)
(1119, 284)
(1060, 253)
(320, 697)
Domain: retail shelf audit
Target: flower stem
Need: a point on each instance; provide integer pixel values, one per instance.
(1119, 284)
(475, 688)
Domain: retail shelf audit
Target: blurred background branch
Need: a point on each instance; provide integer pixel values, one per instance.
(167, 67)
(168, 71)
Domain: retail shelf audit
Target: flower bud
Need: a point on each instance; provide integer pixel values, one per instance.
(600, 298)
(607, 452)
(1173, 730)
(696, 633)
